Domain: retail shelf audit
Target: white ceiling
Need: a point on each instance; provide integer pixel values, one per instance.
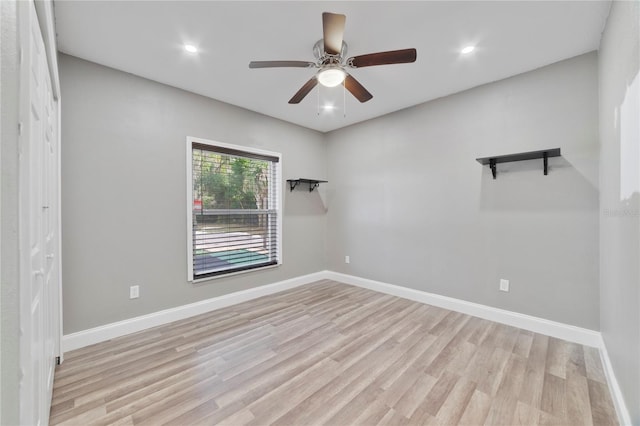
(146, 38)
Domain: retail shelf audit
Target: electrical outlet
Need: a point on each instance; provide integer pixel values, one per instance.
(347, 259)
(504, 285)
(134, 292)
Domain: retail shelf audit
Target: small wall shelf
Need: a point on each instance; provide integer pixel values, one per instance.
(313, 183)
(520, 156)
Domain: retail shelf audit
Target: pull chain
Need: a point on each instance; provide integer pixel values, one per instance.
(344, 98)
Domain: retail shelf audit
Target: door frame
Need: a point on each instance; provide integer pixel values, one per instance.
(46, 19)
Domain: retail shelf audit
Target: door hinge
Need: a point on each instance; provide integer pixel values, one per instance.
(20, 55)
(20, 128)
(58, 360)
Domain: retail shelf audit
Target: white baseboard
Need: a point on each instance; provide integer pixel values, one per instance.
(614, 387)
(559, 330)
(99, 334)
(539, 325)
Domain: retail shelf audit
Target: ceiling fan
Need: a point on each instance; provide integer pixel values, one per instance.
(330, 53)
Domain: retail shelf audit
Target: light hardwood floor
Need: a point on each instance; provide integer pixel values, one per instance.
(329, 353)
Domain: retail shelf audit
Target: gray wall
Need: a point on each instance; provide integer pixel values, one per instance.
(9, 274)
(124, 193)
(411, 206)
(619, 67)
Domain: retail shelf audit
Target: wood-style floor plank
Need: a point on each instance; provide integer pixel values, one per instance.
(477, 409)
(329, 353)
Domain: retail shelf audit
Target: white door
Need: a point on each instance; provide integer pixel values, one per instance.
(50, 228)
(39, 315)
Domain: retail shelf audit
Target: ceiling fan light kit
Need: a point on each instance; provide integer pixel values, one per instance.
(331, 76)
(330, 52)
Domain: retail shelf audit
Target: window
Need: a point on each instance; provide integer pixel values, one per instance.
(233, 208)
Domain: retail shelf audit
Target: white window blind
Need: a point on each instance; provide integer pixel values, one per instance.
(234, 210)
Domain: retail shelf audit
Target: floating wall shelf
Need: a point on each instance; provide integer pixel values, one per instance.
(520, 156)
(313, 183)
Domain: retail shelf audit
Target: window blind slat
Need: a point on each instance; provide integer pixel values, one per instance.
(234, 152)
(235, 210)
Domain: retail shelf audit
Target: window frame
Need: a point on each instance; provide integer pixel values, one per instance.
(191, 140)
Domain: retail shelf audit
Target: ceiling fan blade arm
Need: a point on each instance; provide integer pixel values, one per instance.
(281, 64)
(333, 32)
(357, 89)
(403, 56)
(304, 91)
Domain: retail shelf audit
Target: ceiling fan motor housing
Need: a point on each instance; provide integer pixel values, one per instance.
(326, 58)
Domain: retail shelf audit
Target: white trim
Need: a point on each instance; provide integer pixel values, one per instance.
(109, 331)
(58, 343)
(279, 207)
(231, 274)
(559, 330)
(250, 149)
(614, 388)
(571, 333)
(46, 19)
(189, 215)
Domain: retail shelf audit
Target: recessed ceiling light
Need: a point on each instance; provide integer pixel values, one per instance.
(467, 49)
(328, 107)
(190, 48)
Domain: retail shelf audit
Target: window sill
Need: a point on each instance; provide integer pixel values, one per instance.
(231, 274)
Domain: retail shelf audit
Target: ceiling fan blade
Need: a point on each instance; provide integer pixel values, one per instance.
(281, 64)
(333, 32)
(357, 89)
(304, 91)
(384, 58)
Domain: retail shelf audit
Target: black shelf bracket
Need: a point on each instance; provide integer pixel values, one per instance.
(521, 156)
(293, 184)
(313, 183)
